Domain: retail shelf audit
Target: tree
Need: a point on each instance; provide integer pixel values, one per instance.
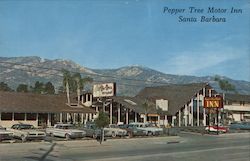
(224, 84)
(39, 87)
(101, 122)
(49, 88)
(4, 87)
(146, 106)
(66, 81)
(79, 84)
(22, 88)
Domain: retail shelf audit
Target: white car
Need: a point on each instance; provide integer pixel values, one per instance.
(27, 132)
(65, 130)
(114, 130)
(150, 130)
(5, 134)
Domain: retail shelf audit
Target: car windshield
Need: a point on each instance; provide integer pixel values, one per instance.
(26, 127)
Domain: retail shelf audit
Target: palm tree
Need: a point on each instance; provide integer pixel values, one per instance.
(80, 84)
(146, 106)
(66, 80)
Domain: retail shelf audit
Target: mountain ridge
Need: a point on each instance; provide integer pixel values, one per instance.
(130, 79)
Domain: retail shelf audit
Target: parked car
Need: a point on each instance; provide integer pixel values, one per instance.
(149, 128)
(27, 132)
(93, 131)
(5, 134)
(215, 128)
(67, 131)
(240, 126)
(114, 130)
(132, 130)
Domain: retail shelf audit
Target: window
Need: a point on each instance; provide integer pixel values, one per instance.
(242, 103)
(6, 116)
(31, 116)
(19, 116)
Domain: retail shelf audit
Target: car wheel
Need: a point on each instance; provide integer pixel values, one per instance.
(23, 138)
(150, 133)
(130, 135)
(94, 136)
(67, 136)
(113, 134)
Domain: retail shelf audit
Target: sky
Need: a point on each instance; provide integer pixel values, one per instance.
(106, 34)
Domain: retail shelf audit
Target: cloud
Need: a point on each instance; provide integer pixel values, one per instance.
(203, 59)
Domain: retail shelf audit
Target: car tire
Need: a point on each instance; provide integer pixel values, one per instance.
(23, 138)
(113, 134)
(130, 135)
(67, 136)
(94, 136)
(150, 133)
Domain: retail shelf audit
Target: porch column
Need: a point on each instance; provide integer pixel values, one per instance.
(159, 120)
(192, 112)
(67, 116)
(204, 110)
(173, 120)
(82, 98)
(90, 117)
(86, 118)
(86, 97)
(49, 120)
(74, 118)
(61, 119)
(198, 109)
(179, 118)
(209, 116)
(127, 116)
(25, 116)
(166, 120)
(119, 113)
(13, 115)
(111, 113)
(135, 117)
(0, 116)
(36, 119)
(82, 120)
(186, 115)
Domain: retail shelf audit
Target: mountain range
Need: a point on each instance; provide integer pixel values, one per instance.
(129, 79)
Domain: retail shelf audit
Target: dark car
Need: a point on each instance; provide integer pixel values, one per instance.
(93, 131)
(240, 126)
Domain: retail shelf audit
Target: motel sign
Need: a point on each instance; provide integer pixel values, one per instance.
(213, 102)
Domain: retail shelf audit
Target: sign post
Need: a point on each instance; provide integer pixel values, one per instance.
(214, 102)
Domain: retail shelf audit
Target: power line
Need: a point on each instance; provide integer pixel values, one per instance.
(87, 74)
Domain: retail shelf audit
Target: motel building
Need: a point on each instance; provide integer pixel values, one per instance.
(40, 110)
(237, 107)
(181, 105)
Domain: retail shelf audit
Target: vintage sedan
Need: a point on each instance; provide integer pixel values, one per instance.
(215, 128)
(114, 130)
(240, 126)
(148, 127)
(94, 132)
(5, 134)
(132, 130)
(27, 132)
(67, 131)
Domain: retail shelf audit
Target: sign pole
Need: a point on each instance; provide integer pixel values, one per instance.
(217, 121)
